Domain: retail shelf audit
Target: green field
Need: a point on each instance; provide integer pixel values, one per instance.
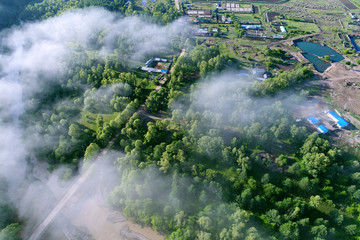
(302, 26)
(244, 17)
(88, 119)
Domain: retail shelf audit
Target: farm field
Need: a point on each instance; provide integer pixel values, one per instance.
(349, 4)
(244, 17)
(303, 26)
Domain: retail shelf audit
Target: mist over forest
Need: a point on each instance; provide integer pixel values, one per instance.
(194, 148)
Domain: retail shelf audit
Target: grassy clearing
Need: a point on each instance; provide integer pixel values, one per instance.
(88, 119)
(313, 89)
(328, 99)
(152, 85)
(224, 48)
(252, 42)
(244, 17)
(303, 26)
(142, 75)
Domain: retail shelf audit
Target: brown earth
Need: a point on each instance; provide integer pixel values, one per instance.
(348, 4)
(95, 218)
(272, 16)
(159, 65)
(344, 86)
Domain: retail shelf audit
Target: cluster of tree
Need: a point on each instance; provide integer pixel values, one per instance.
(50, 8)
(177, 184)
(100, 100)
(10, 228)
(239, 29)
(275, 56)
(283, 80)
(182, 207)
(163, 12)
(157, 100)
(179, 176)
(10, 10)
(201, 58)
(277, 53)
(294, 31)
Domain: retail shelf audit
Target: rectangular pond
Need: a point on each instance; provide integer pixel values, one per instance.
(314, 52)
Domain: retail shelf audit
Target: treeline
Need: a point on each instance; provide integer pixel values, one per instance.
(50, 8)
(283, 80)
(67, 115)
(10, 11)
(162, 12)
(10, 228)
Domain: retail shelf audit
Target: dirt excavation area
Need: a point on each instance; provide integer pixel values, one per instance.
(344, 86)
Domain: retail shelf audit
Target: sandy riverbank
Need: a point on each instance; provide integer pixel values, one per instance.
(94, 215)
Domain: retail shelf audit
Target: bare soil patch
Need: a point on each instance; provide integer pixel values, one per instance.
(159, 65)
(272, 16)
(348, 4)
(103, 224)
(344, 86)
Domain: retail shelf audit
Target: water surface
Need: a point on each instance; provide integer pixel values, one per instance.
(314, 51)
(357, 48)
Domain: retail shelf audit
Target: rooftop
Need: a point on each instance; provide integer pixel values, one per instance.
(323, 129)
(340, 121)
(313, 120)
(283, 29)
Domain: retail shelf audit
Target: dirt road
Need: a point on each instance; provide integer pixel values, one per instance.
(177, 5)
